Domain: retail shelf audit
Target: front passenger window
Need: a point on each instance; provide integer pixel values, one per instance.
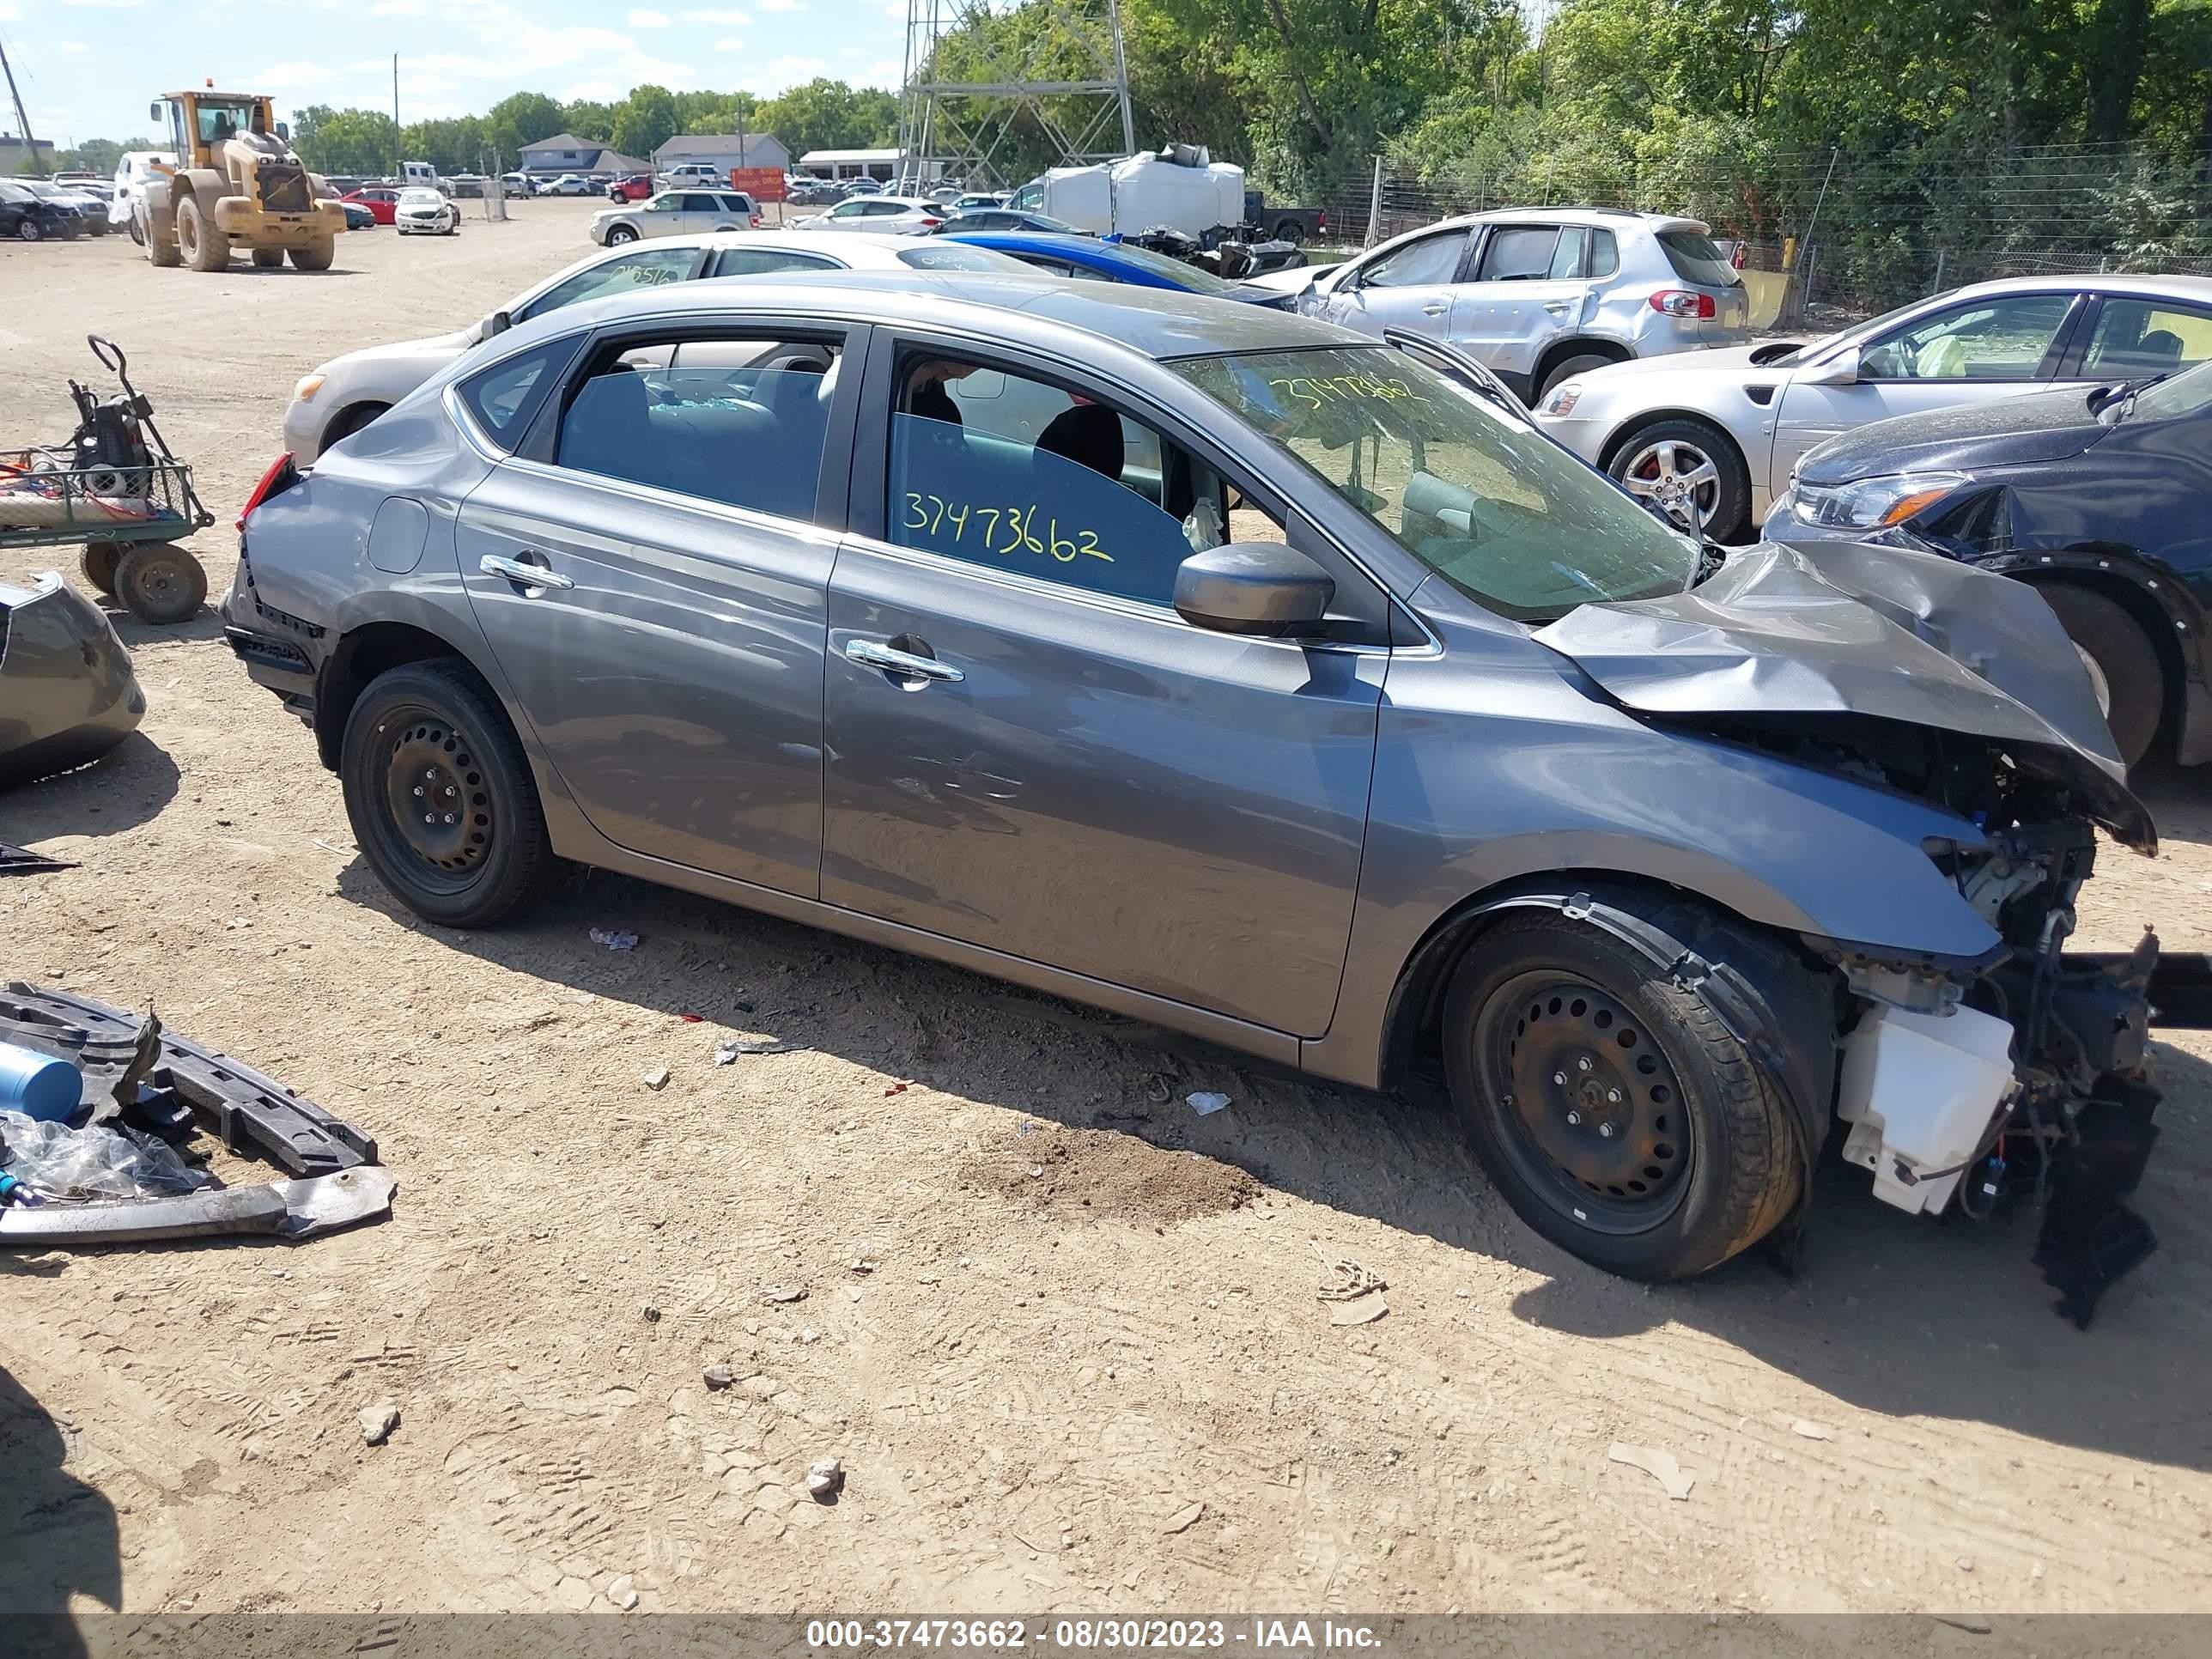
(1424, 264)
(2000, 339)
(1015, 474)
(738, 421)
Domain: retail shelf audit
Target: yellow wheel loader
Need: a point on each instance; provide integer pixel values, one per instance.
(237, 184)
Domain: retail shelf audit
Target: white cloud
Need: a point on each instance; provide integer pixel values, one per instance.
(395, 9)
(895, 11)
(648, 20)
(727, 18)
(779, 5)
(107, 5)
(9, 14)
(730, 44)
(74, 46)
(887, 73)
(797, 68)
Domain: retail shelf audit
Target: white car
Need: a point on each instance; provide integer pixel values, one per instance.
(1720, 431)
(673, 213)
(902, 215)
(568, 184)
(425, 213)
(346, 393)
(131, 170)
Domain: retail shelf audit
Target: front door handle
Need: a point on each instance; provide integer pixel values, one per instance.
(873, 653)
(523, 572)
(1435, 310)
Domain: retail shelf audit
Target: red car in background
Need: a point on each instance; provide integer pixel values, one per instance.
(380, 201)
(635, 188)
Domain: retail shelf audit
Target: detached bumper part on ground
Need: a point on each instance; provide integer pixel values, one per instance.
(67, 692)
(136, 1076)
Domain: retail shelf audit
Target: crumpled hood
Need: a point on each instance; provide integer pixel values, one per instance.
(2045, 425)
(1884, 632)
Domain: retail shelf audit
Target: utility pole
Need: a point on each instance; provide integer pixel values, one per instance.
(396, 155)
(23, 120)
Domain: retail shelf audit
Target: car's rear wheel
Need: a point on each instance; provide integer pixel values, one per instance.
(1567, 368)
(1616, 1113)
(203, 247)
(2122, 664)
(137, 230)
(1690, 469)
(440, 797)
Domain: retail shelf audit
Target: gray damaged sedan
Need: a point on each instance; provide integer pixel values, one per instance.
(1250, 677)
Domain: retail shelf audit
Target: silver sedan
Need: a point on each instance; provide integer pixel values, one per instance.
(1716, 434)
(1239, 673)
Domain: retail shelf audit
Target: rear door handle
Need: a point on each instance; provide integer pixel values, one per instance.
(523, 572)
(873, 653)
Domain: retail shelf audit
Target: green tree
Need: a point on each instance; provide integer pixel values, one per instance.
(586, 119)
(825, 114)
(521, 118)
(345, 141)
(644, 121)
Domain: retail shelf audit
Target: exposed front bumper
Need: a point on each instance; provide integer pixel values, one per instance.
(67, 691)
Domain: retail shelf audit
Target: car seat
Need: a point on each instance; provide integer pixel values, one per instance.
(1090, 434)
(2157, 353)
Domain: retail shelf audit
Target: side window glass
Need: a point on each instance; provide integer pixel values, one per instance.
(2135, 337)
(739, 421)
(756, 261)
(643, 268)
(1518, 252)
(1432, 260)
(1604, 254)
(1567, 257)
(1014, 474)
(2004, 339)
(504, 398)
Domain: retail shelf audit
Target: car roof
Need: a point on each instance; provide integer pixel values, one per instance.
(1162, 324)
(2199, 288)
(1654, 222)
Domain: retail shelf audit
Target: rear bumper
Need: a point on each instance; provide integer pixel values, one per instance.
(274, 646)
(67, 691)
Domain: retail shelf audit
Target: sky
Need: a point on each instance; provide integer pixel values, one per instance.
(81, 64)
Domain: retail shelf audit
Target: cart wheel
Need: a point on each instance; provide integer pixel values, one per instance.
(98, 563)
(159, 583)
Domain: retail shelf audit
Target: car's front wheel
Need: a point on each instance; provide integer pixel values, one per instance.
(1690, 471)
(440, 797)
(2123, 665)
(1617, 1114)
(621, 236)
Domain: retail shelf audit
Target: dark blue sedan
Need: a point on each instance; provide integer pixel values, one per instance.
(1097, 261)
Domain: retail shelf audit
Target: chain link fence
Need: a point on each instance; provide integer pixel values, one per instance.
(1857, 233)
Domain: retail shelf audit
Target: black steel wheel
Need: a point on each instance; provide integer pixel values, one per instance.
(160, 583)
(1617, 1113)
(440, 796)
(1587, 1100)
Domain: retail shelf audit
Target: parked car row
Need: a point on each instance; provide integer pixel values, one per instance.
(34, 210)
(1210, 599)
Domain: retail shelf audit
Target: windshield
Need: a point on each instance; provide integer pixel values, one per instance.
(1499, 511)
(2179, 394)
(1174, 270)
(421, 198)
(220, 121)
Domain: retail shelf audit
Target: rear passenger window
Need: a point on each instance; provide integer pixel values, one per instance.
(1567, 257)
(738, 421)
(1518, 252)
(1014, 474)
(505, 396)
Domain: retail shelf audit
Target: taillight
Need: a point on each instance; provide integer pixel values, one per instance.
(1681, 302)
(281, 477)
(754, 222)
(1321, 222)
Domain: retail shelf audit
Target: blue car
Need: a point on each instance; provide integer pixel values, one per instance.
(1098, 261)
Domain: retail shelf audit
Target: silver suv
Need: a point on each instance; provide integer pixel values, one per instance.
(1540, 294)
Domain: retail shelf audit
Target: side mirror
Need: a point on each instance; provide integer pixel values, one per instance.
(283, 132)
(1253, 587)
(154, 110)
(498, 323)
(1841, 370)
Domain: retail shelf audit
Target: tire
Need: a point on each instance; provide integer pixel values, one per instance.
(268, 259)
(1697, 1128)
(316, 257)
(438, 719)
(27, 229)
(162, 255)
(201, 245)
(1723, 496)
(161, 584)
(621, 236)
(1567, 368)
(98, 563)
(2118, 652)
(138, 231)
(1292, 232)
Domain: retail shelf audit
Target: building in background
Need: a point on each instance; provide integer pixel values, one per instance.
(14, 158)
(881, 165)
(727, 153)
(564, 152)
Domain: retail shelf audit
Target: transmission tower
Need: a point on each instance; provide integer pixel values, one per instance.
(977, 74)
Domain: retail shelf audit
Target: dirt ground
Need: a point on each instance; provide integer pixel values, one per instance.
(1063, 1332)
